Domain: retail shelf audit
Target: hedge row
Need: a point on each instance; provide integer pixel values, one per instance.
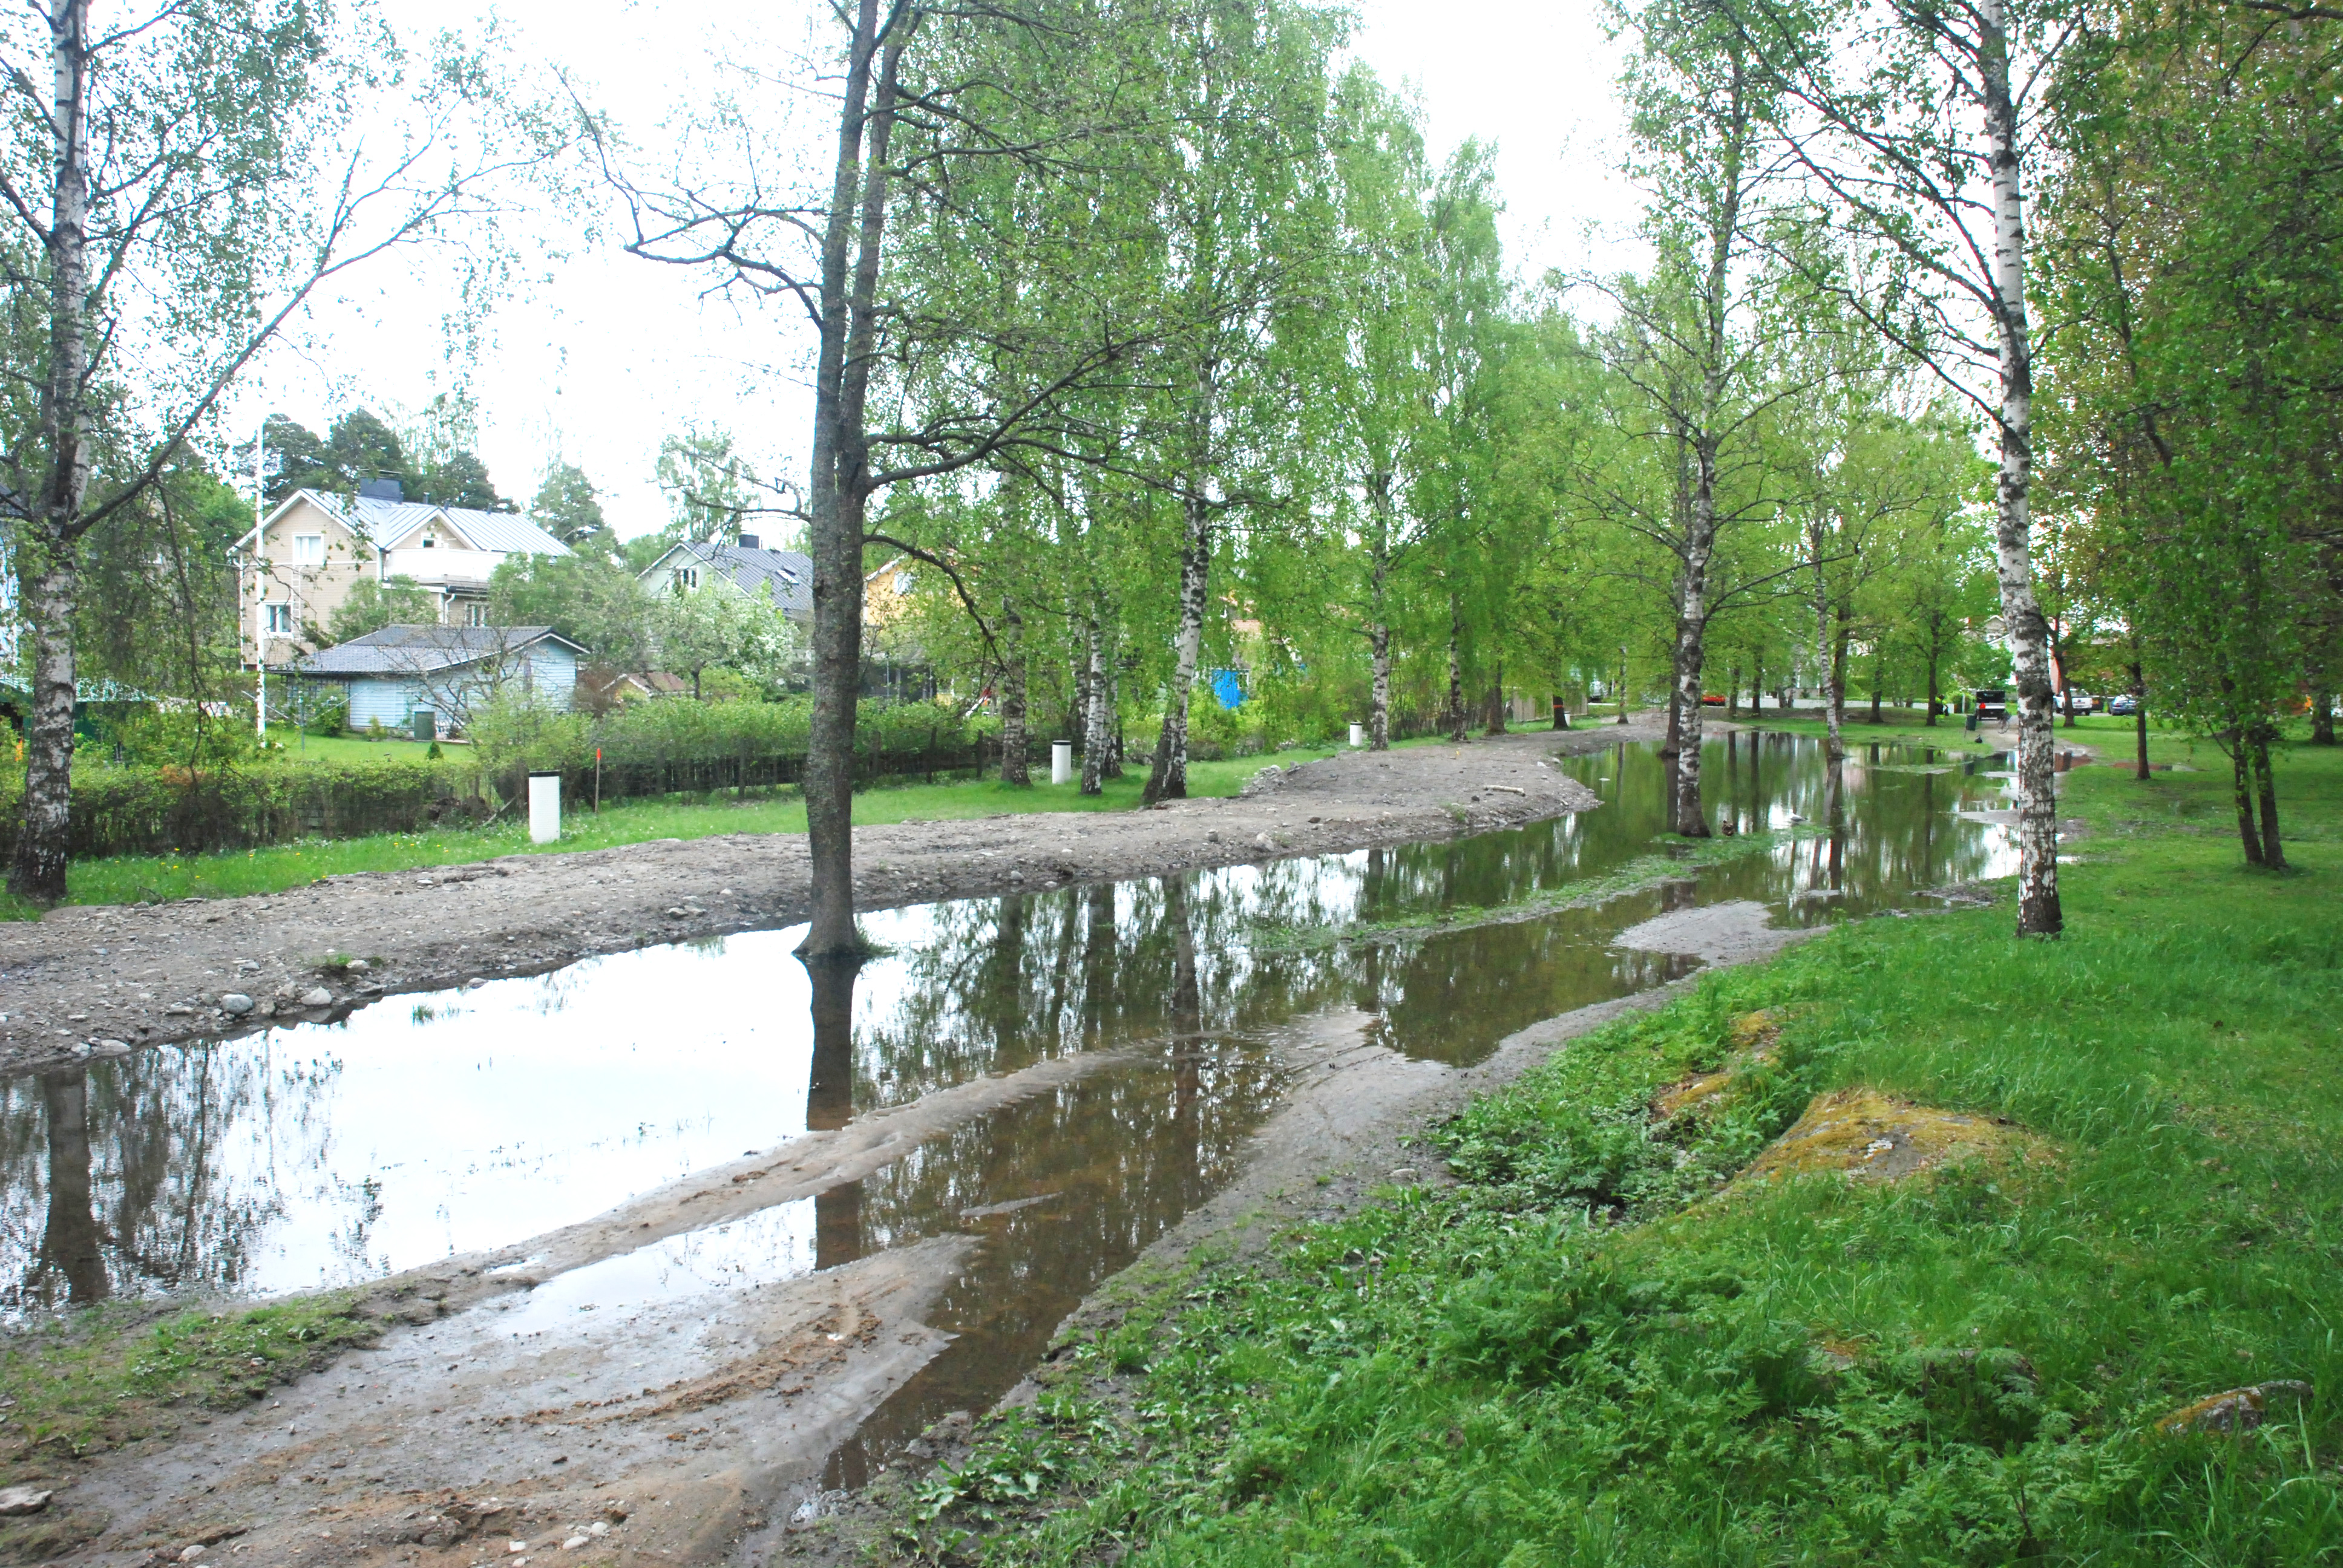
(155, 810)
(682, 747)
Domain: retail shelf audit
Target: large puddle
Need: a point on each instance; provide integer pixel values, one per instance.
(426, 1126)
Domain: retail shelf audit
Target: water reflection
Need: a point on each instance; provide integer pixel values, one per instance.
(468, 1121)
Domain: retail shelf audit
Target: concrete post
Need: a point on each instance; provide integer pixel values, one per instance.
(544, 808)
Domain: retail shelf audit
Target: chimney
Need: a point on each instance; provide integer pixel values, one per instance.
(382, 491)
(749, 542)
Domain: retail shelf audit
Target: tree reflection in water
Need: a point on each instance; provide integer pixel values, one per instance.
(216, 1166)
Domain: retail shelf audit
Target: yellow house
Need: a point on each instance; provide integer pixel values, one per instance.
(316, 546)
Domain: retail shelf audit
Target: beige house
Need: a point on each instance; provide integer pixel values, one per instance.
(316, 546)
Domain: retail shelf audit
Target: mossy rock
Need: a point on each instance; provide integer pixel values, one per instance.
(1867, 1136)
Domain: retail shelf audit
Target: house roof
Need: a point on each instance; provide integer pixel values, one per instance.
(384, 522)
(786, 575)
(425, 649)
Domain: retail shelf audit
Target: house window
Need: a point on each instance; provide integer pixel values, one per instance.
(476, 613)
(687, 579)
(309, 549)
(280, 620)
(430, 542)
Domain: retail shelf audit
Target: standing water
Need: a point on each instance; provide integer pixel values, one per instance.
(469, 1122)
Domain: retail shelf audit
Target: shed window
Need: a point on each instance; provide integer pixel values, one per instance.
(309, 549)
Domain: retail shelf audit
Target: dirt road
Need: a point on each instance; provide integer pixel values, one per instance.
(101, 979)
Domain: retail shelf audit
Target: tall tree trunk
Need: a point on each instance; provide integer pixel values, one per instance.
(2241, 770)
(1458, 729)
(2038, 913)
(1877, 660)
(1168, 780)
(1834, 684)
(1013, 767)
(1497, 715)
(1757, 686)
(2322, 718)
(1378, 611)
(1733, 692)
(2266, 786)
(48, 551)
(1098, 730)
(1561, 712)
(1113, 768)
(1692, 649)
(840, 486)
(2139, 720)
(1933, 697)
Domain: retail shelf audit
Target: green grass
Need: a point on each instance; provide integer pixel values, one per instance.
(131, 878)
(1593, 1353)
(100, 1378)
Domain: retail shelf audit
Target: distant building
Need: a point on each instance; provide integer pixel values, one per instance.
(785, 577)
(314, 546)
(395, 674)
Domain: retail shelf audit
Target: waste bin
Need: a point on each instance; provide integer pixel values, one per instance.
(1061, 761)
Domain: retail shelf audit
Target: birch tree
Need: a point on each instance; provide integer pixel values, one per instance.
(181, 180)
(907, 375)
(1918, 122)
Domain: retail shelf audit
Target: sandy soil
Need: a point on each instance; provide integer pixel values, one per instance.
(99, 979)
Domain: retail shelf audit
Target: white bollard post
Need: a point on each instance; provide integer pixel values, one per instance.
(1061, 761)
(544, 808)
(1357, 735)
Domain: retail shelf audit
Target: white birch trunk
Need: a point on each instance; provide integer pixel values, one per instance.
(2038, 832)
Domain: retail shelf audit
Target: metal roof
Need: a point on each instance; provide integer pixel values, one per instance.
(425, 649)
(384, 522)
(786, 575)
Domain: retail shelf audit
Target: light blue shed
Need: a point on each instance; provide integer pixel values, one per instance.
(392, 675)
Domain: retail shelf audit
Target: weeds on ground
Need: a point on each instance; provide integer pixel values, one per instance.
(108, 1375)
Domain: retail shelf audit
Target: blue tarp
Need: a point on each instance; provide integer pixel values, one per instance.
(1228, 687)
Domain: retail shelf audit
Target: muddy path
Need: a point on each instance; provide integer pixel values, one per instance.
(99, 979)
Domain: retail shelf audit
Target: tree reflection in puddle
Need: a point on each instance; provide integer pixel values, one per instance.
(462, 1121)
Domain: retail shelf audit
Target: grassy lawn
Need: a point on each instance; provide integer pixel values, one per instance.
(1602, 1349)
(128, 878)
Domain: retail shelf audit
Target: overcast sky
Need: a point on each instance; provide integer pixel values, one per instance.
(604, 354)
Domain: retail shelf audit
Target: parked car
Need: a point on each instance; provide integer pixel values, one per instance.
(1710, 699)
(2123, 705)
(2075, 699)
(1990, 702)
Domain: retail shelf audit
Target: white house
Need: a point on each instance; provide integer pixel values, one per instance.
(395, 674)
(786, 576)
(316, 545)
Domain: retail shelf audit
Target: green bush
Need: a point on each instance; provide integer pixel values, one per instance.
(151, 810)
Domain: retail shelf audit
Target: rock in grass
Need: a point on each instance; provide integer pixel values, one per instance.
(316, 996)
(2236, 1410)
(21, 1500)
(1868, 1136)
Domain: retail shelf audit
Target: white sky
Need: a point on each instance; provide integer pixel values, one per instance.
(604, 354)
